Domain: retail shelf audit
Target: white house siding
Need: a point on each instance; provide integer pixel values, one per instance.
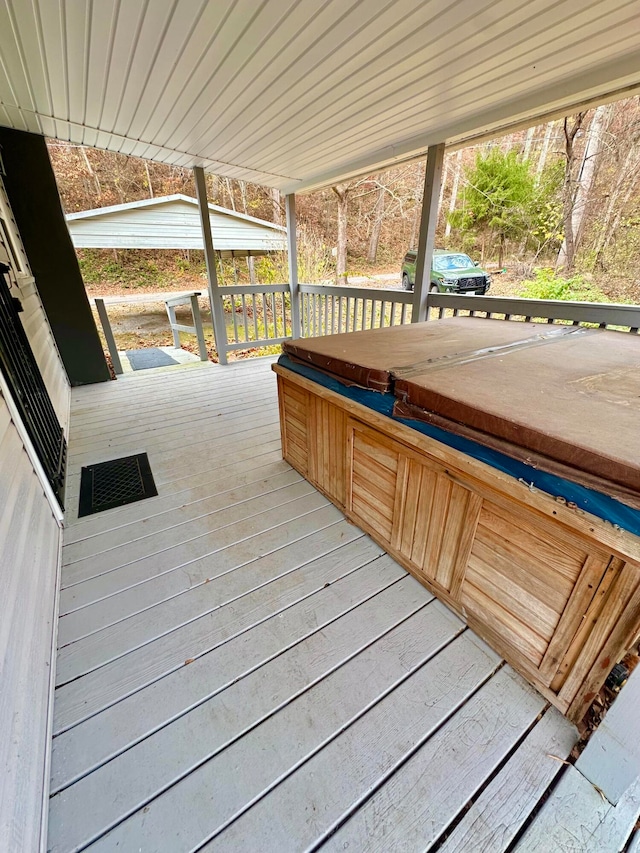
(29, 560)
(29, 568)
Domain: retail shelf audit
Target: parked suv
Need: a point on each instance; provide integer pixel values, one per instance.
(452, 272)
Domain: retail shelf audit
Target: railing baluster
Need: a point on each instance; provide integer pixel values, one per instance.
(262, 333)
(244, 317)
(235, 319)
(254, 310)
(275, 316)
(340, 298)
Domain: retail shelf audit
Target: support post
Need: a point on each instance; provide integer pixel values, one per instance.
(217, 310)
(197, 322)
(108, 336)
(428, 223)
(292, 247)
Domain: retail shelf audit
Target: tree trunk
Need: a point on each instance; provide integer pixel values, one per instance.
(230, 191)
(500, 250)
(566, 256)
(583, 183)
(93, 175)
(528, 142)
(378, 215)
(588, 169)
(149, 186)
(243, 195)
(277, 206)
(417, 194)
(454, 191)
(542, 159)
(251, 263)
(342, 193)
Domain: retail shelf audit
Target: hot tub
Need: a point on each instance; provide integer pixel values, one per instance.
(499, 462)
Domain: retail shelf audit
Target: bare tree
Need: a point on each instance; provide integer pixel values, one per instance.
(542, 159)
(149, 184)
(342, 192)
(378, 215)
(276, 203)
(454, 191)
(417, 195)
(528, 142)
(94, 177)
(571, 130)
(626, 181)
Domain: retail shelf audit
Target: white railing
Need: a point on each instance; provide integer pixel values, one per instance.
(328, 310)
(624, 318)
(256, 315)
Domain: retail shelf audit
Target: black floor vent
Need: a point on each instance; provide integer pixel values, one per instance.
(115, 483)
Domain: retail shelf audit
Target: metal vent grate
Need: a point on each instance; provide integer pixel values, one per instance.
(115, 483)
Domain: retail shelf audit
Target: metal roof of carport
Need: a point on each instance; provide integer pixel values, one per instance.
(173, 222)
(297, 94)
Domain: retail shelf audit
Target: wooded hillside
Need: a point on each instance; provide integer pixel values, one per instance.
(564, 195)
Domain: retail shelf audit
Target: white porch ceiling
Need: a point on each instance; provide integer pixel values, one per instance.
(298, 94)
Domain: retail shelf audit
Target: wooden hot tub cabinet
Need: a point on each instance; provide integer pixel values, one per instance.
(554, 590)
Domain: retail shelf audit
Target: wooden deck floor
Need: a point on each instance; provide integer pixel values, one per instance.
(241, 669)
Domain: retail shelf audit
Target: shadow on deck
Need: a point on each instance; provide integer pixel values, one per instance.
(240, 668)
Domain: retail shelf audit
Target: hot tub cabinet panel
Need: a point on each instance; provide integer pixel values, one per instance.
(554, 590)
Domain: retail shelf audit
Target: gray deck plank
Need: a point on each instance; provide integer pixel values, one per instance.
(103, 736)
(96, 583)
(152, 588)
(185, 512)
(200, 805)
(199, 602)
(200, 597)
(213, 471)
(172, 536)
(214, 428)
(131, 780)
(172, 453)
(415, 804)
(493, 820)
(200, 406)
(110, 683)
(232, 476)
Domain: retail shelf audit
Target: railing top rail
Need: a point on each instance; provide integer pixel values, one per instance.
(610, 314)
(382, 295)
(253, 288)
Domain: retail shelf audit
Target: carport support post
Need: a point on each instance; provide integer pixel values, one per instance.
(292, 247)
(217, 309)
(428, 223)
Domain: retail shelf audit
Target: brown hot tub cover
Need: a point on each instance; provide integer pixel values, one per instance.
(371, 357)
(569, 394)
